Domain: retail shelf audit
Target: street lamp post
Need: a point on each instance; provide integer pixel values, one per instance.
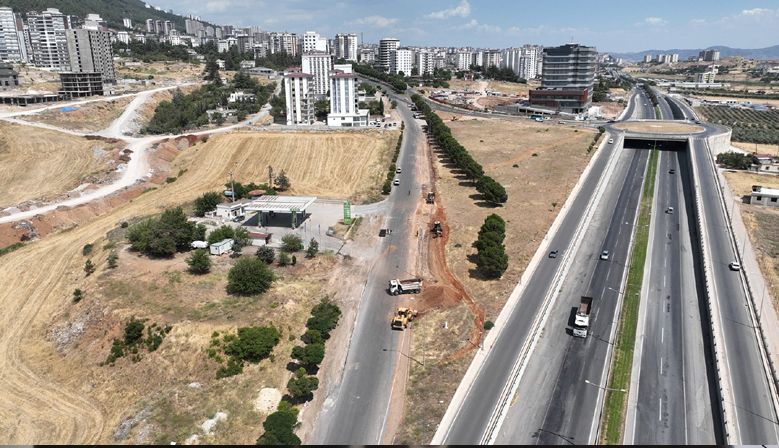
(604, 388)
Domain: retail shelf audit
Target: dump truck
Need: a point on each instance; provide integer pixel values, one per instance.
(407, 286)
(582, 321)
(438, 231)
(403, 318)
(430, 198)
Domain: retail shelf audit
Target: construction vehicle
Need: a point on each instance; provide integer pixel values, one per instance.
(454, 118)
(582, 320)
(430, 198)
(403, 318)
(438, 231)
(407, 286)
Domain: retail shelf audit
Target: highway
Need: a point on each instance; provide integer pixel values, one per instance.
(471, 420)
(355, 412)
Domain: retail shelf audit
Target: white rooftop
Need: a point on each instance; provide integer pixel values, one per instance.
(280, 204)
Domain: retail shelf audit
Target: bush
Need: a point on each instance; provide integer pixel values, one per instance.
(282, 182)
(253, 344)
(283, 259)
(312, 337)
(207, 203)
(291, 242)
(87, 249)
(249, 276)
(163, 236)
(266, 254)
(489, 325)
(77, 295)
(233, 367)
(112, 259)
(294, 260)
(324, 318)
(313, 248)
(300, 385)
(89, 267)
(199, 262)
(279, 426)
(222, 233)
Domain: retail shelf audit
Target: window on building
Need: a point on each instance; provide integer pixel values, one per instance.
(759, 198)
(773, 199)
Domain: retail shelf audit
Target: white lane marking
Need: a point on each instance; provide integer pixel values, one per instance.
(662, 334)
(661, 365)
(663, 280)
(660, 411)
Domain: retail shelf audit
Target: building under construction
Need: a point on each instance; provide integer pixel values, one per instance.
(78, 85)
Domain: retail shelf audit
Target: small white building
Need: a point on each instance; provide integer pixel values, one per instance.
(232, 209)
(222, 247)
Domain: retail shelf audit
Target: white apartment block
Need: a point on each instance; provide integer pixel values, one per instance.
(367, 55)
(123, 37)
(490, 57)
(299, 96)
(47, 39)
(528, 62)
(425, 62)
(386, 46)
(95, 22)
(345, 46)
(127, 23)
(12, 45)
(674, 57)
(343, 99)
(318, 65)
(314, 42)
(90, 51)
(647, 58)
(464, 60)
(401, 60)
(283, 42)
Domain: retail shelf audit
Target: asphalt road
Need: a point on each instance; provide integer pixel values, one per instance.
(481, 400)
(674, 402)
(355, 413)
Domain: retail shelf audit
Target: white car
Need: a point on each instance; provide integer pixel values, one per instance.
(670, 210)
(604, 255)
(611, 141)
(398, 170)
(735, 266)
(397, 182)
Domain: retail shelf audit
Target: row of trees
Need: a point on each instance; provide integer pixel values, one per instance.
(386, 188)
(280, 426)
(735, 160)
(650, 93)
(491, 190)
(491, 257)
(396, 81)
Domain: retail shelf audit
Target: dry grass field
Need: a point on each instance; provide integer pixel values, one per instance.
(328, 165)
(549, 160)
(54, 391)
(661, 128)
(85, 118)
(755, 147)
(741, 182)
(37, 162)
(509, 87)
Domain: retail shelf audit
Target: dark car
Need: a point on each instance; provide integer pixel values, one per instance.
(672, 171)
(239, 218)
(611, 121)
(553, 254)
(383, 232)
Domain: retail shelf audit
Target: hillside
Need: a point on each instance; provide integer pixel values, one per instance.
(768, 53)
(112, 11)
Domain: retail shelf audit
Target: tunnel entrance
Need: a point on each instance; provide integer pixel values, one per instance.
(645, 143)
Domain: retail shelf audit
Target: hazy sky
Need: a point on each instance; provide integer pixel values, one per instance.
(613, 26)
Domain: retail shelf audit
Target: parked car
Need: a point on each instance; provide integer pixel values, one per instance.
(397, 182)
(553, 254)
(398, 170)
(735, 266)
(239, 218)
(604, 255)
(383, 233)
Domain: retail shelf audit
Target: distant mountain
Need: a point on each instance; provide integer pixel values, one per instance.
(112, 11)
(768, 53)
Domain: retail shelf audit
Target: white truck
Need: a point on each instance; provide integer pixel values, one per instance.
(582, 321)
(407, 286)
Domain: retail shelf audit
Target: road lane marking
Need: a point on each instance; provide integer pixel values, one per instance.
(662, 334)
(661, 365)
(660, 411)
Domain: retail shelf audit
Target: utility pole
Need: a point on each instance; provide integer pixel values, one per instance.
(270, 176)
(232, 187)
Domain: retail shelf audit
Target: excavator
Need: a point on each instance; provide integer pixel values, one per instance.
(438, 231)
(430, 198)
(403, 318)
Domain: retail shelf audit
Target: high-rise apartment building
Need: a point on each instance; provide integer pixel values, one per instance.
(343, 99)
(401, 61)
(567, 79)
(95, 22)
(708, 55)
(528, 62)
(314, 42)
(47, 38)
(127, 23)
(463, 60)
(12, 46)
(283, 42)
(300, 97)
(345, 46)
(425, 62)
(367, 55)
(386, 46)
(90, 52)
(318, 65)
(490, 58)
(150, 26)
(647, 58)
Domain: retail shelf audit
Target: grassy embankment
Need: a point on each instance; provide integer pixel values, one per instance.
(622, 362)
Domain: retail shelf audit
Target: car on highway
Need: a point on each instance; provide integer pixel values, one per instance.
(604, 255)
(397, 182)
(611, 140)
(735, 266)
(672, 171)
(611, 121)
(398, 170)
(553, 254)
(670, 210)
(383, 233)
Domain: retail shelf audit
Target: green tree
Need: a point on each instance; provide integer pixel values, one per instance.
(301, 386)
(309, 355)
(266, 254)
(282, 182)
(89, 267)
(312, 337)
(491, 190)
(291, 242)
(253, 344)
(241, 239)
(112, 259)
(279, 427)
(313, 248)
(283, 259)
(207, 202)
(222, 233)
(492, 261)
(199, 262)
(133, 332)
(324, 317)
(249, 276)
(78, 295)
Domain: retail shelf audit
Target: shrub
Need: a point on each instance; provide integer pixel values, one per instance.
(112, 258)
(312, 337)
(253, 344)
(77, 295)
(207, 202)
(279, 426)
(324, 318)
(199, 262)
(133, 332)
(249, 276)
(266, 254)
(222, 233)
(489, 325)
(309, 355)
(294, 260)
(291, 242)
(87, 249)
(283, 259)
(282, 182)
(124, 224)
